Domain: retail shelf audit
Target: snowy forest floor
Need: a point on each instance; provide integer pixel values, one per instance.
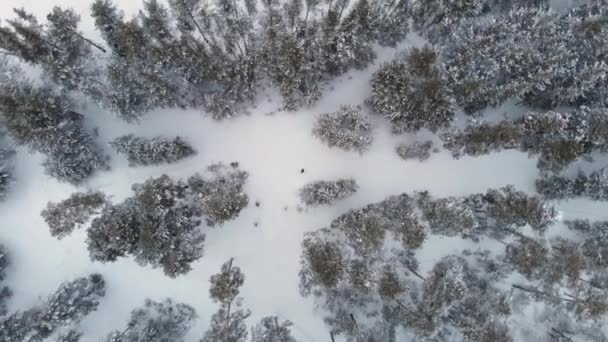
(273, 147)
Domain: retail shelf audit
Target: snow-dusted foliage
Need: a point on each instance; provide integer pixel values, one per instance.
(164, 321)
(64, 309)
(505, 56)
(327, 192)
(143, 151)
(5, 292)
(558, 138)
(6, 168)
(269, 329)
(228, 323)
(347, 129)
(43, 119)
(417, 150)
(219, 193)
(363, 267)
(63, 217)
(593, 185)
(159, 225)
(411, 92)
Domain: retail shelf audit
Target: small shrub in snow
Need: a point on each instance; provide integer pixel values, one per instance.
(347, 129)
(418, 150)
(412, 93)
(593, 186)
(142, 151)
(327, 192)
(63, 217)
(164, 321)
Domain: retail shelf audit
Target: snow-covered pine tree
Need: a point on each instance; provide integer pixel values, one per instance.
(412, 92)
(142, 151)
(63, 217)
(64, 309)
(269, 329)
(65, 55)
(5, 292)
(327, 192)
(6, 167)
(418, 150)
(593, 185)
(347, 129)
(219, 193)
(44, 120)
(164, 321)
(228, 323)
(158, 226)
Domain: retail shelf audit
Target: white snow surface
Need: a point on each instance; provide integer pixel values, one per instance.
(273, 147)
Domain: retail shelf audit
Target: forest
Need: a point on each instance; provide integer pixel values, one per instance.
(304, 170)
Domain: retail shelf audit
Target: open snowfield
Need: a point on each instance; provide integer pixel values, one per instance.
(273, 146)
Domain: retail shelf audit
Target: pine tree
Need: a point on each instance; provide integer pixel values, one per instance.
(327, 192)
(158, 226)
(63, 217)
(142, 151)
(219, 193)
(412, 92)
(64, 309)
(43, 120)
(347, 129)
(164, 321)
(593, 185)
(270, 330)
(417, 150)
(6, 167)
(5, 292)
(228, 323)
(64, 54)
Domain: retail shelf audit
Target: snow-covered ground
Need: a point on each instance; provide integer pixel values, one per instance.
(273, 147)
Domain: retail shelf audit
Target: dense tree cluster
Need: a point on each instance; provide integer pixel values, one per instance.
(142, 151)
(411, 91)
(159, 225)
(44, 120)
(417, 150)
(489, 61)
(205, 52)
(557, 138)
(164, 321)
(370, 285)
(347, 129)
(593, 186)
(63, 217)
(63, 310)
(327, 192)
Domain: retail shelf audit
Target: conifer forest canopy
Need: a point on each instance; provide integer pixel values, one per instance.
(303, 170)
